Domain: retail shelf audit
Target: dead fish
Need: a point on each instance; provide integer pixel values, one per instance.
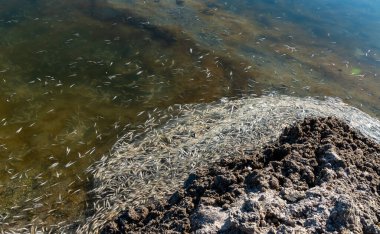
(69, 164)
(53, 165)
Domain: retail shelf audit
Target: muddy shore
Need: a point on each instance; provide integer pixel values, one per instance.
(150, 166)
(319, 176)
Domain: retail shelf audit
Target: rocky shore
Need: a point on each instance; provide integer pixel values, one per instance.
(319, 176)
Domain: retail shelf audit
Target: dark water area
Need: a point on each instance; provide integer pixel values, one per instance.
(77, 75)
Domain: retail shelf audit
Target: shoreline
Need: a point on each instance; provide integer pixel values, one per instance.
(152, 165)
(319, 176)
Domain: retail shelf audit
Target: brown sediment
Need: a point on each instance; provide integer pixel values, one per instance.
(320, 175)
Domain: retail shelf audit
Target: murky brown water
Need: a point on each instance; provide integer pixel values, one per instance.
(75, 75)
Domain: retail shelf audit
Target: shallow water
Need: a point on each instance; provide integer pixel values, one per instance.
(76, 75)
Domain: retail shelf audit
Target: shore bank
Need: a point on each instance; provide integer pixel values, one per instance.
(319, 176)
(153, 165)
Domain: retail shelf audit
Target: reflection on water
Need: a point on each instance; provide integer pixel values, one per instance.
(76, 74)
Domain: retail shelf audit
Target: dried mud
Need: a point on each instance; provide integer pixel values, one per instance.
(319, 176)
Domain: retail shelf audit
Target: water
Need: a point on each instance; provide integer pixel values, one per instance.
(76, 75)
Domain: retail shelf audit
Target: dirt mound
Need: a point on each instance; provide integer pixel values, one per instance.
(319, 176)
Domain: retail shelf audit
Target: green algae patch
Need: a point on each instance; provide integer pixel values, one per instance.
(355, 71)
